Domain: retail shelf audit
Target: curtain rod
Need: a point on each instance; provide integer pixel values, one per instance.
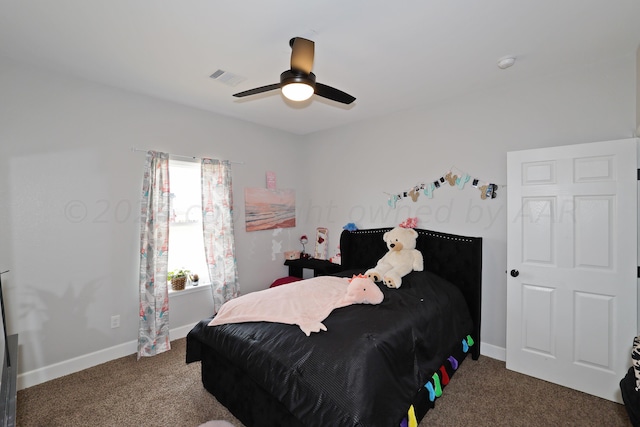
(134, 149)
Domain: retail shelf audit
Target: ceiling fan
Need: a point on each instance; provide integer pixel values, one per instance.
(299, 83)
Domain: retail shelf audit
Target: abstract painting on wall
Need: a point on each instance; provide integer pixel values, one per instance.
(266, 209)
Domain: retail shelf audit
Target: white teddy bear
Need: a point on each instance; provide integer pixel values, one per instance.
(402, 258)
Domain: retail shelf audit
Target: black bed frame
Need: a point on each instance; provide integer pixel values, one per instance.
(455, 258)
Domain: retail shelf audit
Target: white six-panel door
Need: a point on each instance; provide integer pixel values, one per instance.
(572, 264)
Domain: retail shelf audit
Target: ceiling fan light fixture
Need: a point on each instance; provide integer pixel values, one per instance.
(297, 91)
(296, 85)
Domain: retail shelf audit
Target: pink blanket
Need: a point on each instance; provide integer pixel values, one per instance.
(305, 303)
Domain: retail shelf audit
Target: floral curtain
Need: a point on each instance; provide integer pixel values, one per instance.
(217, 224)
(153, 333)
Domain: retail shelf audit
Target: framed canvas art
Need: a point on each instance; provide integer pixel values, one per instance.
(267, 209)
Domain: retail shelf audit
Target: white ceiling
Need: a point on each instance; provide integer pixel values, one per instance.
(390, 55)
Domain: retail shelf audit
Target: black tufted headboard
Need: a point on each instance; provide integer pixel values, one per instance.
(455, 258)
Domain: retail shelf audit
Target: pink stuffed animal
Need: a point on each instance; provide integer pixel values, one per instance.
(362, 290)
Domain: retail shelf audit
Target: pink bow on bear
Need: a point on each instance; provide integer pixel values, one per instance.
(410, 223)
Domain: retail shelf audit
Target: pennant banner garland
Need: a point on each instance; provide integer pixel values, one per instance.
(487, 190)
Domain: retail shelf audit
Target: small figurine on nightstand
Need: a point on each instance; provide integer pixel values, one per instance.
(337, 258)
(195, 279)
(303, 241)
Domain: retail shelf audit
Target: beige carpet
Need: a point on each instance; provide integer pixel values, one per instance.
(165, 391)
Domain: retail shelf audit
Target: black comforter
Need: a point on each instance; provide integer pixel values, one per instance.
(366, 369)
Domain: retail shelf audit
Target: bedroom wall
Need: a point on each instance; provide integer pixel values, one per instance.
(352, 168)
(69, 206)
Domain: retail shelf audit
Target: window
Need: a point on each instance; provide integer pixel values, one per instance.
(186, 244)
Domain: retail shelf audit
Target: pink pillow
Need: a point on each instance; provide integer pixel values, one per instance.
(284, 281)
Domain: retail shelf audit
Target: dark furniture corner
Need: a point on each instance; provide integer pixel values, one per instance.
(320, 267)
(10, 397)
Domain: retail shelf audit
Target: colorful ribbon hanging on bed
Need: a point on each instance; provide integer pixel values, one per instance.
(434, 386)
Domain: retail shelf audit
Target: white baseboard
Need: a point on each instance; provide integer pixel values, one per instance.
(47, 373)
(493, 351)
(38, 376)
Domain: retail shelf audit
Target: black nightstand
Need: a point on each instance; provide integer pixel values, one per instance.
(320, 267)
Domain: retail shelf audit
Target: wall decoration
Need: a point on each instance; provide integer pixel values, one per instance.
(268, 209)
(322, 243)
(271, 180)
(455, 178)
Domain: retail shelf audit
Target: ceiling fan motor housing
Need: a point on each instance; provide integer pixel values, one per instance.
(294, 76)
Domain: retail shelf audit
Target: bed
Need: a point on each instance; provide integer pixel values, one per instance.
(376, 365)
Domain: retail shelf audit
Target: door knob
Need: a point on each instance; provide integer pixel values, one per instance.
(515, 273)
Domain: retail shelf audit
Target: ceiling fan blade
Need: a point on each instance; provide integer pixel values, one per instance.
(302, 51)
(333, 94)
(257, 90)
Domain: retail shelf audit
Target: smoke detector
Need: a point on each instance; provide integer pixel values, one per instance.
(506, 62)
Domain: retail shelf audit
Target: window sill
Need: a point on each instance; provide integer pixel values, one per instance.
(189, 289)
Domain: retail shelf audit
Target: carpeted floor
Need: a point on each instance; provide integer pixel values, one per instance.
(164, 391)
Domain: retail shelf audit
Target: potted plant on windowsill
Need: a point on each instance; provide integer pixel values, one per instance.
(178, 279)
